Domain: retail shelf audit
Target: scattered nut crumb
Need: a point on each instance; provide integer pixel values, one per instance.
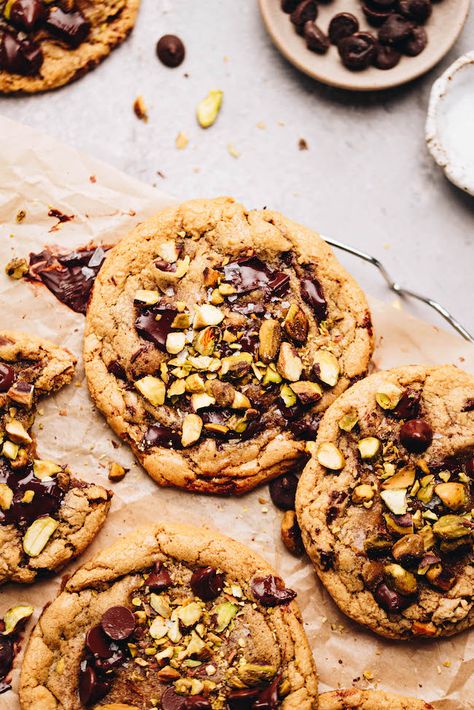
(17, 268)
(262, 500)
(62, 412)
(181, 141)
(140, 109)
(447, 664)
(302, 144)
(262, 125)
(264, 510)
(233, 151)
(20, 216)
(116, 471)
(92, 178)
(368, 675)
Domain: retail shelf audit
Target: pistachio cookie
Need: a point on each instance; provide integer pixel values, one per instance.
(355, 699)
(215, 338)
(46, 44)
(175, 617)
(46, 516)
(385, 504)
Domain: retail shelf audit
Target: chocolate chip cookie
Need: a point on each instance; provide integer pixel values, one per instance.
(173, 617)
(353, 698)
(46, 44)
(47, 517)
(215, 339)
(385, 504)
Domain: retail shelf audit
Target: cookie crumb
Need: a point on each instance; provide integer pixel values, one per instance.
(181, 141)
(302, 144)
(140, 109)
(232, 150)
(20, 216)
(116, 472)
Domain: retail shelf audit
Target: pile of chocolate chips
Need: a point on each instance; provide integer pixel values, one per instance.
(24, 24)
(399, 31)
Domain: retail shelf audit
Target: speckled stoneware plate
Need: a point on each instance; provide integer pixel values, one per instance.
(443, 29)
(450, 122)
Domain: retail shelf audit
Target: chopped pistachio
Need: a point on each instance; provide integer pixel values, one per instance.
(206, 340)
(236, 365)
(10, 450)
(194, 384)
(395, 500)
(149, 298)
(327, 367)
(400, 579)
(296, 323)
(43, 468)
(201, 400)
(269, 339)
(6, 496)
(22, 393)
(38, 534)
(175, 342)
(271, 376)
(240, 401)
(206, 315)
(192, 427)
(17, 432)
(168, 251)
(116, 472)
(225, 613)
(252, 674)
(158, 629)
(15, 617)
(388, 395)
(17, 268)
(402, 479)
(308, 392)
(451, 527)
(348, 421)
(369, 447)
(362, 493)
(330, 457)
(288, 395)
(208, 109)
(28, 496)
(453, 495)
(190, 614)
(176, 388)
(289, 365)
(153, 389)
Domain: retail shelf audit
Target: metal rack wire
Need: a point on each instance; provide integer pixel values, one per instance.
(401, 290)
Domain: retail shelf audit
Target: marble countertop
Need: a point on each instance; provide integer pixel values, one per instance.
(366, 177)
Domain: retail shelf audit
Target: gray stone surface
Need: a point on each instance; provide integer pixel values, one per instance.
(365, 179)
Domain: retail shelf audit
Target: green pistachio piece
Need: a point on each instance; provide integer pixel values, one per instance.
(288, 396)
(400, 579)
(388, 395)
(225, 613)
(16, 616)
(208, 109)
(348, 421)
(38, 534)
(453, 495)
(451, 527)
(330, 457)
(252, 674)
(369, 447)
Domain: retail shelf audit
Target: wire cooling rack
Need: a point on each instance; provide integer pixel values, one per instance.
(401, 290)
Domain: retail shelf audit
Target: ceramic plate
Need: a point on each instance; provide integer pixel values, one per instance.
(443, 28)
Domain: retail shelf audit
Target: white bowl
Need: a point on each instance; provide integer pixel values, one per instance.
(450, 122)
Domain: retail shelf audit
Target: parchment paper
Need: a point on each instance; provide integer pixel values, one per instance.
(37, 173)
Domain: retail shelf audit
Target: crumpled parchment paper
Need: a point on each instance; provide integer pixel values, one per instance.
(38, 173)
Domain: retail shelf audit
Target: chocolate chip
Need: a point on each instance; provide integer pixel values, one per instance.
(97, 642)
(306, 11)
(91, 689)
(71, 27)
(386, 57)
(283, 491)
(417, 10)
(395, 29)
(468, 405)
(242, 699)
(159, 578)
(170, 51)
(7, 376)
(305, 427)
(23, 57)
(47, 498)
(197, 702)
(409, 405)
(416, 435)
(357, 51)
(159, 435)
(26, 15)
(375, 14)
(316, 40)
(312, 294)
(342, 25)
(156, 330)
(326, 559)
(118, 622)
(416, 42)
(271, 591)
(390, 601)
(6, 656)
(207, 583)
(268, 698)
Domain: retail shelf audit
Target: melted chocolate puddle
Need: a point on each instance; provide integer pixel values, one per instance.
(46, 500)
(70, 277)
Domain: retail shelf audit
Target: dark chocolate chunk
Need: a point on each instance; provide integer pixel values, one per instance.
(115, 368)
(170, 700)
(389, 600)
(6, 656)
(170, 51)
(7, 376)
(268, 698)
(415, 43)
(342, 25)
(91, 689)
(197, 702)
(395, 29)
(47, 497)
(249, 273)
(416, 435)
(156, 330)
(20, 56)
(271, 591)
(312, 294)
(468, 405)
(416, 10)
(409, 405)
(207, 583)
(70, 27)
(159, 579)
(283, 491)
(386, 57)
(242, 699)
(158, 435)
(98, 643)
(306, 11)
(118, 622)
(27, 15)
(375, 14)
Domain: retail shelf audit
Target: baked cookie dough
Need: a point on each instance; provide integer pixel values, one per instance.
(173, 617)
(215, 339)
(45, 45)
(385, 504)
(47, 517)
(355, 699)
